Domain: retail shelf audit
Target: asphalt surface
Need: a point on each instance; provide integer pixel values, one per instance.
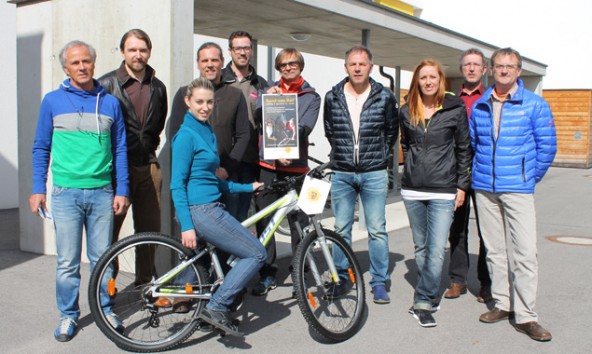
(274, 324)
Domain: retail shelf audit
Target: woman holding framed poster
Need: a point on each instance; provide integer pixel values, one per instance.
(289, 116)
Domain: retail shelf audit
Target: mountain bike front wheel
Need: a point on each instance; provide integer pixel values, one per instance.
(332, 305)
(115, 287)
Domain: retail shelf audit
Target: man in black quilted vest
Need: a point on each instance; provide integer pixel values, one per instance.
(361, 124)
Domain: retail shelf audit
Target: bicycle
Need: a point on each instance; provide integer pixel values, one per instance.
(284, 228)
(331, 300)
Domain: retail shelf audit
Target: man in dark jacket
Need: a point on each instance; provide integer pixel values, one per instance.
(143, 100)
(241, 74)
(472, 67)
(361, 124)
(230, 119)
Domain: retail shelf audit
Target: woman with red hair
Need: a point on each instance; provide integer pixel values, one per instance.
(436, 145)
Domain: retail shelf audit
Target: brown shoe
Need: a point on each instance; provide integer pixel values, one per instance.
(182, 305)
(534, 331)
(455, 290)
(484, 294)
(163, 302)
(495, 315)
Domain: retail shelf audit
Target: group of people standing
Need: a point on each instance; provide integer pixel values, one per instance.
(102, 136)
(493, 145)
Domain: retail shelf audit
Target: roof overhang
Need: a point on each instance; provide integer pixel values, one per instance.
(395, 38)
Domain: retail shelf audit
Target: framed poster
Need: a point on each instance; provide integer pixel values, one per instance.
(280, 126)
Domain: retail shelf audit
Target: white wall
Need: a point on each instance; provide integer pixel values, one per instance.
(41, 34)
(8, 143)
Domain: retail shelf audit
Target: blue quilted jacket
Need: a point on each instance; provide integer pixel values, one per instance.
(379, 129)
(524, 149)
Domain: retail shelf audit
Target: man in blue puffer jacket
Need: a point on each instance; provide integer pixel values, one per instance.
(513, 137)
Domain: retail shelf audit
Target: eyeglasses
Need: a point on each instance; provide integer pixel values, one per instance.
(509, 67)
(241, 49)
(292, 64)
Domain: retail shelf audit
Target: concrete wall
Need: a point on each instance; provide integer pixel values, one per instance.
(42, 30)
(9, 142)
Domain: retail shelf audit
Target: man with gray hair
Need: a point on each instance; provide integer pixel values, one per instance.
(81, 128)
(513, 137)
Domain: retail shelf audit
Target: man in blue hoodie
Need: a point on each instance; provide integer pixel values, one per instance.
(81, 127)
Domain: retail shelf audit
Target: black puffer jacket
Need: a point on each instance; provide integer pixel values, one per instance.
(437, 159)
(142, 141)
(379, 128)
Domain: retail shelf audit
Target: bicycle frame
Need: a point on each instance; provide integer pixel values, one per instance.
(280, 209)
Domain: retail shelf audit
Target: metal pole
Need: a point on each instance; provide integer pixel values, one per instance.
(270, 64)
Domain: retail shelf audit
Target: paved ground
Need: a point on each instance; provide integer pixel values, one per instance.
(274, 324)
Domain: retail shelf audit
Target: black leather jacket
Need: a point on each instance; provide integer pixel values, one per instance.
(142, 141)
(437, 158)
(379, 128)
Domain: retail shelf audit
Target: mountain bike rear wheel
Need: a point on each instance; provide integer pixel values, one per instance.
(334, 309)
(115, 287)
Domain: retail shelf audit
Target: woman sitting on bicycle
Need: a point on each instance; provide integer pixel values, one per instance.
(196, 190)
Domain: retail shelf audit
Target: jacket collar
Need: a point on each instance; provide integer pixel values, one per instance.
(451, 101)
(305, 88)
(375, 87)
(229, 76)
(517, 97)
(98, 90)
(123, 76)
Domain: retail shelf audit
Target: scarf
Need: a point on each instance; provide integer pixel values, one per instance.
(294, 87)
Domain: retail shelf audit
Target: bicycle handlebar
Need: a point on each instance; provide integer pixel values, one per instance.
(283, 185)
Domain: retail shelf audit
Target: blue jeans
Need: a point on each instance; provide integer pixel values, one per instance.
(372, 188)
(214, 225)
(74, 209)
(430, 222)
(237, 204)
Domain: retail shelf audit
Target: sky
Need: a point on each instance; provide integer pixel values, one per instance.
(554, 33)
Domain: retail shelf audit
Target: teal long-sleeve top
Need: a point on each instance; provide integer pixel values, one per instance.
(193, 173)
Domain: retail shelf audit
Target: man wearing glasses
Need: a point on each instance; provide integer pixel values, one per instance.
(472, 67)
(242, 75)
(513, 136)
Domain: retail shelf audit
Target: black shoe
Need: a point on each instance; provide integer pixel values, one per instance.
(182, 305)
(203, 326)
(220, 320)
(238, 301)
(265, 284)
(335, 291)
(424, 318)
